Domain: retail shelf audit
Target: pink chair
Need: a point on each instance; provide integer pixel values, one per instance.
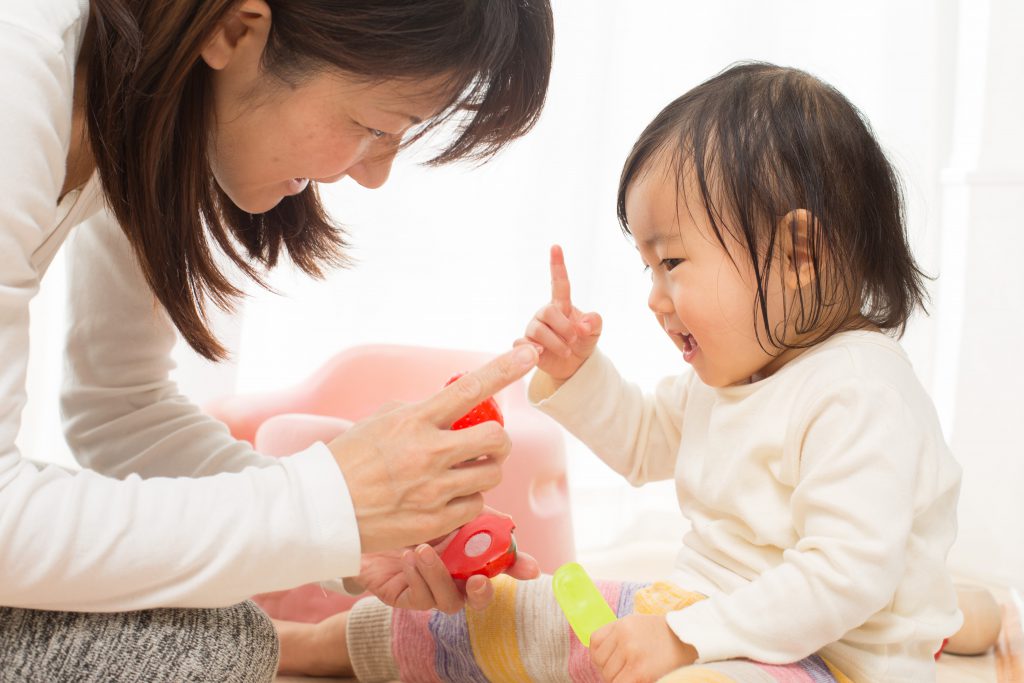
(353, 385)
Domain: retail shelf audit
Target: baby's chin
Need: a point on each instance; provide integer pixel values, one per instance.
(720, 379)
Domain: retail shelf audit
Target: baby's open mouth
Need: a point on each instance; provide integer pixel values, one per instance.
(690, 346)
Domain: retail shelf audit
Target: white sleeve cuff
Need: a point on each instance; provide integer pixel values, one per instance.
(330, 505)
(699, 626)
(345, 586)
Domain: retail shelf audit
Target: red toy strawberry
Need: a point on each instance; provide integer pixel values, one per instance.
(484, 546)
(482, 412)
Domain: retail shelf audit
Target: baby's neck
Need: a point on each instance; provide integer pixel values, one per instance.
(797, 345)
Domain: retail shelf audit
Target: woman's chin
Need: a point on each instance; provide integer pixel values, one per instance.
(264, 197)
(258, 204)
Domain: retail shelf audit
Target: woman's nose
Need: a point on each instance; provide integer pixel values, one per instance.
(372, 171)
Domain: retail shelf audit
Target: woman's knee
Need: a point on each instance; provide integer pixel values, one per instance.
(238, 643)
(231, 644)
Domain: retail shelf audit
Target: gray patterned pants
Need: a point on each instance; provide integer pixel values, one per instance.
(233, 644)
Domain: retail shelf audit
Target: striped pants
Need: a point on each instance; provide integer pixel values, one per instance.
(523, 637)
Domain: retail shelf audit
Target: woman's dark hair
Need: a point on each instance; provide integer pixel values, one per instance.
(148, 105)
(763, 140)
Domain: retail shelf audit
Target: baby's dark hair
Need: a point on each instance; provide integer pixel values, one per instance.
(762, 140)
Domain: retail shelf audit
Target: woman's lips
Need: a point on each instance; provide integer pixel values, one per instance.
(296, 185)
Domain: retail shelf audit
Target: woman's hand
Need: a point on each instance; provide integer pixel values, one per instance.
(563, 335)
(639, 648)
(411, 479)
(417, 579)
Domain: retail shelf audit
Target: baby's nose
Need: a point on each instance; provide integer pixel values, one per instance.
(660, 304)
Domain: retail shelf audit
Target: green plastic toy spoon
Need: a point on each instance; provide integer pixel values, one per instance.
(583, 604)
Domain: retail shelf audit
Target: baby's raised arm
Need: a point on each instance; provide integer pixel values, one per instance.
(563, 335)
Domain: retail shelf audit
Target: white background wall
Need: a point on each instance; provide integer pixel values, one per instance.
(458, 256)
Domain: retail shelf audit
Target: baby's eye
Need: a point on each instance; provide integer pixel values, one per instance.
(376, 133)
(671, 263)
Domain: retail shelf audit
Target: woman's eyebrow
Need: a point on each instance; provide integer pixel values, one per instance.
(413, 119)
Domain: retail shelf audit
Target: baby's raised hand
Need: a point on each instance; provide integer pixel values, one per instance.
(563, 335)
(639, 648)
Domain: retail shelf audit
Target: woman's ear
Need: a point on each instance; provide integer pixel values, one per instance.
(242, 32)
(795, 232)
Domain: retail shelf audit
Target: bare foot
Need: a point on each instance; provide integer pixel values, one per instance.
(314, 649)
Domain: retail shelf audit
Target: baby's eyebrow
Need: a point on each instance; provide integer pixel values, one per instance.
(657, 238)
(640, 254)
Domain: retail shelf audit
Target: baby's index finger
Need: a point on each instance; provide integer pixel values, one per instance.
(560, 292)
(459, 397)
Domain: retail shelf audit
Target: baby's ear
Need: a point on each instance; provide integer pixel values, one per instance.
(796, 231)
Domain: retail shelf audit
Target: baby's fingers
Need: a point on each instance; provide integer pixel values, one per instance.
(602, 644)
(590, 325)
(479, 592)
(553, 343)
(561, 324)
(588, 332)
(523, 340)
(605, 654)
(417, 595)
(560, 289)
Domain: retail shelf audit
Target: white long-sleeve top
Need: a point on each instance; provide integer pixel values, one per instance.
(822, 501)
(170, 510)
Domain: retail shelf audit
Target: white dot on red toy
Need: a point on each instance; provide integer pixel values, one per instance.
(478, 544)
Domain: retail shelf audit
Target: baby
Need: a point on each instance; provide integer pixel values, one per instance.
(807, 456)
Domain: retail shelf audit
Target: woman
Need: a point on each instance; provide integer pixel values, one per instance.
(206, 126)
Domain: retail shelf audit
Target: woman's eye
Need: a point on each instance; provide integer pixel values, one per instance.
(376, 133)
